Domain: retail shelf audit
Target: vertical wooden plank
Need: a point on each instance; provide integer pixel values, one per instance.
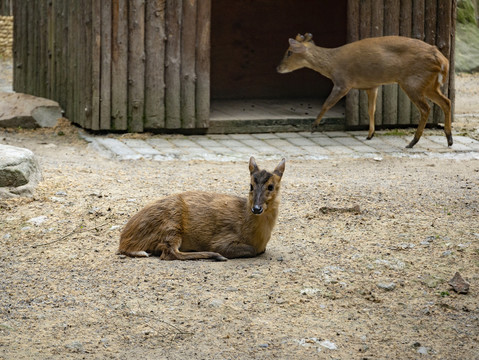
(155, 65)
(443, 41)
(105, 67)
(172, 63)
(188, 61)
(136, 65)
(377, 25)
(19, 44)
(452, 82)
(96, 63)
(30, 83)
(51, 49)
(203, 64)
(405, 29)
(352, 99)
(390, 91)
(418, 24)
(430, 16)
(365, 17)
(119, 65)
(64, 56)
(87, 46)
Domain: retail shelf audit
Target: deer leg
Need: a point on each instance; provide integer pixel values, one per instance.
(336, 94)
(170, 250)
(424, 109)
(372, 96)
(237, 250)
(437, 97)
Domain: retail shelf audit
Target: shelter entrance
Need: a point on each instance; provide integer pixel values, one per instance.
(249, 39)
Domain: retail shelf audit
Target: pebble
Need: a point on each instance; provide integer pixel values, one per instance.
(61, 193)
(446, 253)
(387, 286)
(7, 236)
(75, 346)
(422, 350)
(38, 220)
(328, 345)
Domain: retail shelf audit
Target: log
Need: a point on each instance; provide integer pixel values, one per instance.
(136, 65)
(188, 60)
(377, 25)
(390, 91)
(155, 65)
(105, 66)
(119, 65)
(405, 29)
(352, 99)
(203, 64)
(365, 17)
(96, 64)
(172, 63)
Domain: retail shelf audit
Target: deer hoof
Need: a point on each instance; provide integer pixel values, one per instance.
(370, 136)
(449, 140)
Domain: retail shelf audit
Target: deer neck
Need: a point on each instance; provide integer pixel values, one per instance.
(319, 59)
(258, 228)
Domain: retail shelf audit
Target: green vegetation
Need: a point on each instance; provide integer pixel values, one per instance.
(467, 37)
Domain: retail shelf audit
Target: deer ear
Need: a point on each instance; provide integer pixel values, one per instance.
(252, 165)
(299, 38)
(279, 170)
(296, 46)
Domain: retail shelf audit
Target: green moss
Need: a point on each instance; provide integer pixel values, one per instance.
(465, 12)
(467, 48)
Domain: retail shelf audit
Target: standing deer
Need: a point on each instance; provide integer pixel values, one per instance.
(201, 225)
(419, 68)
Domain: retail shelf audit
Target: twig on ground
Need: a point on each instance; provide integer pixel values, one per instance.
(76, 231)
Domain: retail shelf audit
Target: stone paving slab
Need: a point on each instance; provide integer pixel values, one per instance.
(302, 145)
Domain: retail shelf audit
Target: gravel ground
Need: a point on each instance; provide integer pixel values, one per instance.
(334, 283)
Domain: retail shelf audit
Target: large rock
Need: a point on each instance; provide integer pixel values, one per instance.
(27, 111)
(19, 172)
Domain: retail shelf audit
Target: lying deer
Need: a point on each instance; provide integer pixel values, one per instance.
(419, 68)
(200, 225)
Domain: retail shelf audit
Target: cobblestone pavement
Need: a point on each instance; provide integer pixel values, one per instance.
(276, 145)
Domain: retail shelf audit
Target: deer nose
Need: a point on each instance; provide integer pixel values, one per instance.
(257, 209)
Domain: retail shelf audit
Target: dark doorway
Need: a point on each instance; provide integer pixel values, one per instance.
(249, 38)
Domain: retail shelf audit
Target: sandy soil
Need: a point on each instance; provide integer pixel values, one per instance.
(333, 283)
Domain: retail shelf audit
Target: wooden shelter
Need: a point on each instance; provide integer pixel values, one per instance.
(161, 65)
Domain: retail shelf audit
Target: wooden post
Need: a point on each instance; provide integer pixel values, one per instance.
(203, 64)
(390, 91)
(187, 69)
(136, 65)
(443, 42)
(405, 26)
(418, 21)
(377, 25)
(119, 65)
(86, 22)
(105, 66)
(155, 65)
(365, 12)
(96, 63)
(352, 99)
(172, 63)
(430, 26)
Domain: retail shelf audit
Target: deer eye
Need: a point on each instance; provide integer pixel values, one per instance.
(270, 187)
(250, 187)
(289, 53)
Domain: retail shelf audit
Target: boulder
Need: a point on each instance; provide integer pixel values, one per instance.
(27, 111)
(19, 172)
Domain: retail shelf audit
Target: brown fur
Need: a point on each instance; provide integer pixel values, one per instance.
(419, 68)
(201, 225)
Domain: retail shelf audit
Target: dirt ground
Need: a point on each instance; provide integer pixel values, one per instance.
(333, 283)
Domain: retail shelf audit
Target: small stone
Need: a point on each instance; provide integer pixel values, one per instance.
(446, 253)
(328, 345)
(75, 346)
(263, 346)
(387, 286)
(61, 193)
(458, 284)
(37, 220)
(422, 350)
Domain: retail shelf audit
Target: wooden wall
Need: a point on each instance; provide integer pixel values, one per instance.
(138, 65)
(432, 21)
(117, 64)
(6, 7)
